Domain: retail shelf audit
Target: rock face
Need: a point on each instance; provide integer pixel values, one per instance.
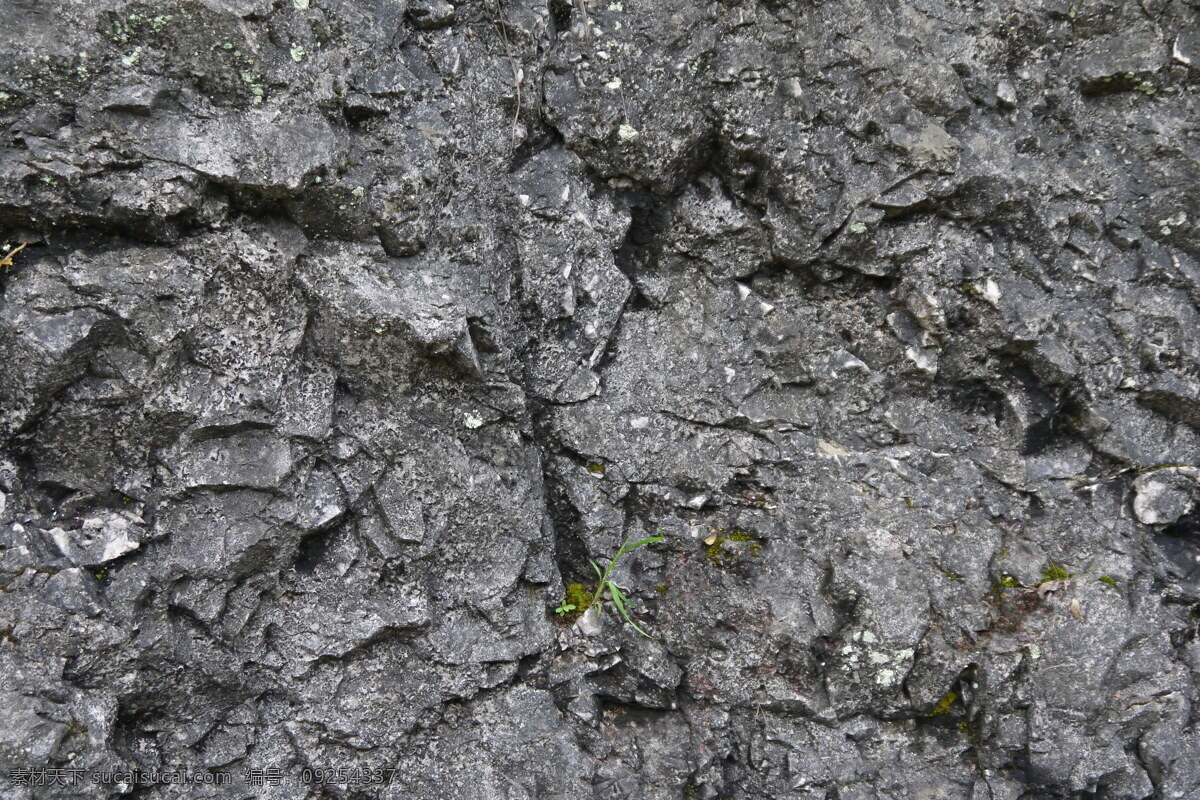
(348, 331)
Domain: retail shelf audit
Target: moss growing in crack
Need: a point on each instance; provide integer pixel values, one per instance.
(950, 575)
(1008, 582)
(1108, 580)
(944, 705)
(595, 470)
(577, 599)
(718, 556)
(969, 729)
(1054, 572)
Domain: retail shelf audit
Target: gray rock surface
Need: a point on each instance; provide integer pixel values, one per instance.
(346, 332)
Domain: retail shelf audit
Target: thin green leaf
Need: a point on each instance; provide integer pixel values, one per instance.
(619, 601)
(637, 628)
(620, 551)
(641, 543)
(596, 567)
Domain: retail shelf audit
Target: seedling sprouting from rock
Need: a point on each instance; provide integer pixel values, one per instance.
(614, 592)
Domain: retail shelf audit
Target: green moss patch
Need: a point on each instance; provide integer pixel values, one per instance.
(944, 705)
(719, 556)
(577, 599)
(1054, 572)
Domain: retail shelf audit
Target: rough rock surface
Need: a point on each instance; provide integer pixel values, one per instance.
(347, 331)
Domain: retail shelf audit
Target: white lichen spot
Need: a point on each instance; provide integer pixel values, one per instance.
(615, 7)
(991, 292)
(933, 144)
(133, 57)
(903, 655)
(878, 658)
(1035, 652)
(301, 5)
(858, 228)
(869, 637)
(638, 423)
(831, 450)
(473, 421)
(1165, 225)
(358, 191)
(627, 132)
(614, 84)
(885, 677)
(298, 52)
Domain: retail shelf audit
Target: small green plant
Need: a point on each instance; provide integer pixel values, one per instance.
(1108, 580)
(606, 584)
(576, 601)
(1054, 572)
